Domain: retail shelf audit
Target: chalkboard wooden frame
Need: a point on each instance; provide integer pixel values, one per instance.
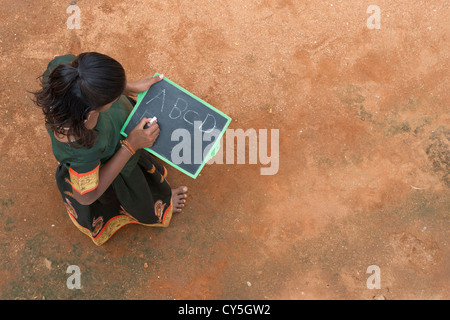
(211, 152)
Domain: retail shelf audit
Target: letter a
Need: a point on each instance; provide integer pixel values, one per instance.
(183, 148)
(374, 281)
(74, 21)
(74, 281)
(374, 21)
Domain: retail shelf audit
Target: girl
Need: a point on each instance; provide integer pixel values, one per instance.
(106, 181)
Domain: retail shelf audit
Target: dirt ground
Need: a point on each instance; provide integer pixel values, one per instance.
(364, 123)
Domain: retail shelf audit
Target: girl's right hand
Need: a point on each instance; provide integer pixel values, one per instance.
(141, 138)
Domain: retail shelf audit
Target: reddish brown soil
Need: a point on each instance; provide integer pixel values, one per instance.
(364, 122)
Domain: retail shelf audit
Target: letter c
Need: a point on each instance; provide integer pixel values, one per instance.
(223, 309)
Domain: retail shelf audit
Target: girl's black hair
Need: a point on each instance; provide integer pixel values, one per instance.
(71, 91)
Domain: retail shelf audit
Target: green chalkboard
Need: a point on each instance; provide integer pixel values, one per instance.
(190, 128)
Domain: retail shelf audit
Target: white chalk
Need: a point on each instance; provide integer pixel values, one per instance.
(151, 121)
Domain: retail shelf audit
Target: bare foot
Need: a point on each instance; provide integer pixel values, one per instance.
(179, 199)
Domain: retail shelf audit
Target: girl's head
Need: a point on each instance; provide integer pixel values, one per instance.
(91, 83)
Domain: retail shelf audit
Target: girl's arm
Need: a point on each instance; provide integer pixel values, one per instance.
(139, 138)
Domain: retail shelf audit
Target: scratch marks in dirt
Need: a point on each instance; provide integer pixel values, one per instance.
(416, 252)
(439, 153)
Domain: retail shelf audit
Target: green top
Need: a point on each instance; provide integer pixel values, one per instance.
(108, 127)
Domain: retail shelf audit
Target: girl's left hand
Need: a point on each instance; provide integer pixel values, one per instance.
(134, 88)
